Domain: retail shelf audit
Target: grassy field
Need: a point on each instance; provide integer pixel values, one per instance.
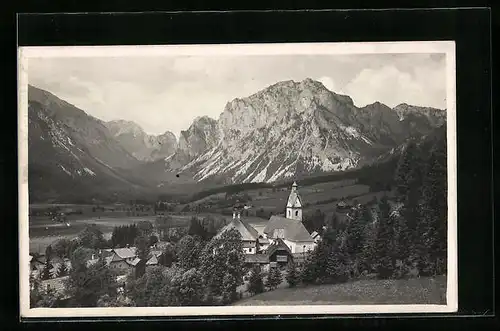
(362, 292)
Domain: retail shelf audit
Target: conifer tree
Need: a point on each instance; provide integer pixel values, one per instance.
(274, 278)
(337, 263)
(292, 276)
(62, 270)
(255, 282)
(384, 240)
(46, 274)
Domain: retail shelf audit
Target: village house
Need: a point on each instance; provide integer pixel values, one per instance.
(249, 235)
(124, 259)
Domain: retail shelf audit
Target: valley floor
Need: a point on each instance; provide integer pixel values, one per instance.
(363, 292)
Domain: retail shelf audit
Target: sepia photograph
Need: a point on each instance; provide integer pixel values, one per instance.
(245, 179)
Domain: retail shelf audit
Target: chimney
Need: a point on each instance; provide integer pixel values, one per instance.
(234, 215)
(239, 215)
(93, 257)
(128, 246)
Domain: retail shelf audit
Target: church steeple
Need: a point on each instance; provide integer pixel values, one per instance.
(294, 204)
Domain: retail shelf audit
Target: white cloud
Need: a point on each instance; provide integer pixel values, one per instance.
(167, 93)
(328, 83)
(392, 87)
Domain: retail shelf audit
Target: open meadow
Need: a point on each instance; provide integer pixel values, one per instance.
(362, 292)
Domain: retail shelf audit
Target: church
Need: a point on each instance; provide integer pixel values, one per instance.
(290, 228)
(283, 236)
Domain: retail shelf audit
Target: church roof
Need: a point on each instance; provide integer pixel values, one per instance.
(293, 230)
(294, 199)
(247, 232)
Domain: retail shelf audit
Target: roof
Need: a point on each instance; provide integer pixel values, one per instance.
(125, 253)
(315, 234)
(256, 258)
(247, 231)
(277, 244)
(294, 200)
(134, 262)
(58, 285)
(152, 261)
(294, 230)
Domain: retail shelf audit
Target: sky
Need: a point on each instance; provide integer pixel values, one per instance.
(166, 93)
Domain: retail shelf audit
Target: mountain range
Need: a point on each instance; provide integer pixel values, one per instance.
(287, 130)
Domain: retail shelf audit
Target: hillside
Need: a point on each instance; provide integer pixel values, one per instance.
(363, 292)
(139, 144)
(72, 155)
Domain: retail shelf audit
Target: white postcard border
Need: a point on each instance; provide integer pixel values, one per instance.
(24, 53)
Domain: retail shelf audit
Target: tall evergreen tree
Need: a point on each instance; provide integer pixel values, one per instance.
(255, 282)
(46, 274)
(274, 278)
(292, 276)
(384, 242)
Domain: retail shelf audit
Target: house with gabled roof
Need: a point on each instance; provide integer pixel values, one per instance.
(249, 235)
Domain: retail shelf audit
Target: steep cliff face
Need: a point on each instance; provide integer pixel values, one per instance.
(295, 128)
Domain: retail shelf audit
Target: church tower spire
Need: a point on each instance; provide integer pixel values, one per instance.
(294, 204)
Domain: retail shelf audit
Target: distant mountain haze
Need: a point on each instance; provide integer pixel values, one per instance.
(289, 129)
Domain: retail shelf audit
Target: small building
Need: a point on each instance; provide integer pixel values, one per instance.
(279, 254)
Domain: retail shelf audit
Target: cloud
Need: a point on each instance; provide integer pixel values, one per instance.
(167, 93)
(388, 84)
(328, 83)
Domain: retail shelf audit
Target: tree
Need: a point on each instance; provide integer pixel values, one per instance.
(188, 288)
(292, 276)
(91, 237)
(168, 255)
(61, 248)
(274, 278)
(315, 222)
(142, 246)
(188, 251)
(223, 255)
(255, 282)
(368, 255)
(196, 229)
(162, 225)
(145, 228)
(229, 287)
(86, 284)
(384, 242)
(48, 253)
(405, 170)
(46, 274)
(35, 291)
(431, 235)
(48, 298)
(153, 240)
(62, 270)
